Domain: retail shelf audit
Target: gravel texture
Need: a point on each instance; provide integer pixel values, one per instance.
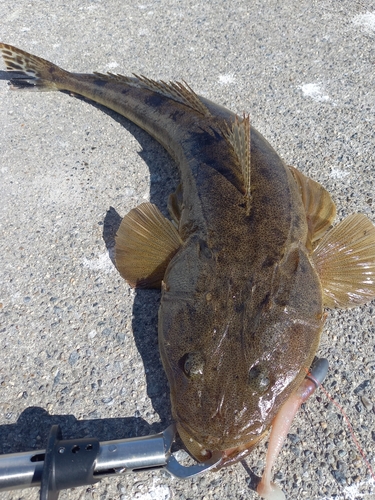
(77, 344)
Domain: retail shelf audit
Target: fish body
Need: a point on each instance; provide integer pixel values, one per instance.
(240, 299)
(241, 309)
(246, 267)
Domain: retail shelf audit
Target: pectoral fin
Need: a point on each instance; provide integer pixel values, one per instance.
(345, 261)
(319, 207)
(145, 243)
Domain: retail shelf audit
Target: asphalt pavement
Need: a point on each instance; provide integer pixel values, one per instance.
(78, 347)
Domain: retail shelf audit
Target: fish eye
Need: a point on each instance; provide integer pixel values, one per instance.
(259, 378)
(192, 364)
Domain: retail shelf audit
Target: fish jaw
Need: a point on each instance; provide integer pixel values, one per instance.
(202, 453)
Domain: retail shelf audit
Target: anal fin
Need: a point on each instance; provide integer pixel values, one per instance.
(145, 243)
(345, 262)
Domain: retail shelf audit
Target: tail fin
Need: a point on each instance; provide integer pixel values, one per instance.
(26, 71)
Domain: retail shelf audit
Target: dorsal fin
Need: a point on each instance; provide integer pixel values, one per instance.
(238, 136)
(319, 207)
(178, 91)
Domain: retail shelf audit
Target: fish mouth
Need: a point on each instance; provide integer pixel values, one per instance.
(202, 452)
(233, 455)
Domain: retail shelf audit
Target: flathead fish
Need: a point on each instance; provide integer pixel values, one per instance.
(246, 266)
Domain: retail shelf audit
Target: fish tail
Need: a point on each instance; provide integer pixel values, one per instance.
(28, 72)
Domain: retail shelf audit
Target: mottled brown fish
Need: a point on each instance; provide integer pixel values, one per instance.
(246, 267)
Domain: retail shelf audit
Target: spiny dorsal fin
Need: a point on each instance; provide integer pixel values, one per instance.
(345, 261)
(180, 92)
(145, 243)
(238, 135)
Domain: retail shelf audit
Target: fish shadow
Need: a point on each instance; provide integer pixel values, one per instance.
(164, 179)
(32, 428)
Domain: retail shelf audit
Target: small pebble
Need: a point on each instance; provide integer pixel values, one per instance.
(367, 403)
(106, 332)
(339, 476)
(73, 358)
(362, 386)
(107, 400)
(121, 488)
(294, 438)
(295, 451)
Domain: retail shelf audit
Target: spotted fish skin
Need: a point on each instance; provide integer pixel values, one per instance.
(242, 299)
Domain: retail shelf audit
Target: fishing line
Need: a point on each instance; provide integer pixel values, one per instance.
(307, 416)
(342, 411)
(359, 448)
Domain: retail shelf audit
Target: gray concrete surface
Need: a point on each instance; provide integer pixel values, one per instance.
(77, 344)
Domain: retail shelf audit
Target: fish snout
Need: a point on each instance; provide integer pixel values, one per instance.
(194, 446)
(202, 452)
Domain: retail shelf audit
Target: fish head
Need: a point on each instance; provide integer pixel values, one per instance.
(235, 354)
